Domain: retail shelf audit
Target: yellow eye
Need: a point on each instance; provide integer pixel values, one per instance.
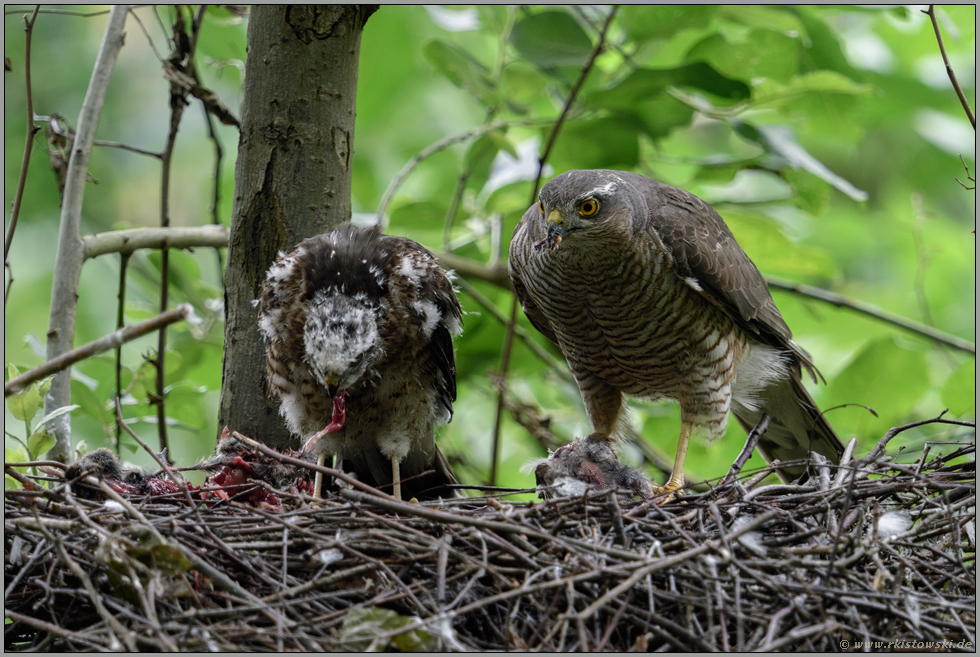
(588, 207)
(540, 207)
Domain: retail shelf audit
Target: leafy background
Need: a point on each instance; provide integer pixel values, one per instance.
(829, 138)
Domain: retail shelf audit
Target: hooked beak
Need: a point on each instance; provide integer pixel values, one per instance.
(557, 230)
(331, 381)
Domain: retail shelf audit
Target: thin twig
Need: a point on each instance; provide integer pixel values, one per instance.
(156, 457)
(177, 103)
(120, 324)
(32, 129)
(216, 186)
(871, 310)
(542, 160)
(95, 347)
(126, 147)
(750, 443)
(432, 149)
(931, 13)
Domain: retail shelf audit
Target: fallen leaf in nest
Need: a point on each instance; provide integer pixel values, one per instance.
(362, 626)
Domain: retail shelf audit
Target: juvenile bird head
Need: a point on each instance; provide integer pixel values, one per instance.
(576, 204)
(343, 340)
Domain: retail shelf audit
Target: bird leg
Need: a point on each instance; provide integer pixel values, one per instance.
(318, 477)
(336, 424)
(396, 477)
(676, 481)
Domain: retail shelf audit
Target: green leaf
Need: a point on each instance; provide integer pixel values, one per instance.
(185, 403)
(521, 85)
(663, 21)
(17, 455)
(774, 253)
(606, 143)
(58, 412)
(90, 403)
(550, 39)
(823, 50)
(418, 219)
(779, 140)
(40, 442)
(460, 68)
(363, 623)
(959, 394)
(764, 16)
(495, 16)
(24, 405)
(763, 53)
(645, 84)
(817, 82)
(479, 157)
(885, 376)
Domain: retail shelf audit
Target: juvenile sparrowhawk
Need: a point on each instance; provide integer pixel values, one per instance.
(646, 292)
(358, 331)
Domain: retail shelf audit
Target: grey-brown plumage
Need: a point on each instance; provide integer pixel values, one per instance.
(358, 312)
(646, 292)
(583, 464)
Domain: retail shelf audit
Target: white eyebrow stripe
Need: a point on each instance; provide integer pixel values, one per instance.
(608, 188)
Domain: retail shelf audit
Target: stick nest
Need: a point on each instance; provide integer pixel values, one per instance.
(870, 550)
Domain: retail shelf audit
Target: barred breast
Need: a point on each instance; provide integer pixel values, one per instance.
(628, 321)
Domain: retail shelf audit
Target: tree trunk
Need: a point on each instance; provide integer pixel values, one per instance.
(292, 179)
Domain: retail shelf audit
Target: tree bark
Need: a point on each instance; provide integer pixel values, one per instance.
(292, 179)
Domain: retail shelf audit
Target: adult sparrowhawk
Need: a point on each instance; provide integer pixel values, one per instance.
(646, 292)
(358, 330)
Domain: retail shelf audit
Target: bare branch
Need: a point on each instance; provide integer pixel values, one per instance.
(31, 130)
(181, 57)
(746, 453)
(495, 274)
(69, 258)
(535, 348)
(873, 311)
(127, 147)
(178, 481)
(431, 150)
(127, 241)
(120, 324)
(931, 13)
(512, 324)
(104, 343)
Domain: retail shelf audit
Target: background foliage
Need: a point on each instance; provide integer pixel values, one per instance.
(827, 137)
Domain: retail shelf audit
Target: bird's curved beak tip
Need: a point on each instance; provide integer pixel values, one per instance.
(331, 381)
(556, 231)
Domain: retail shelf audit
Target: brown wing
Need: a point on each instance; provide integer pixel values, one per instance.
(705, 252)
(426, 281)
(282, 316)
(522, 241)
